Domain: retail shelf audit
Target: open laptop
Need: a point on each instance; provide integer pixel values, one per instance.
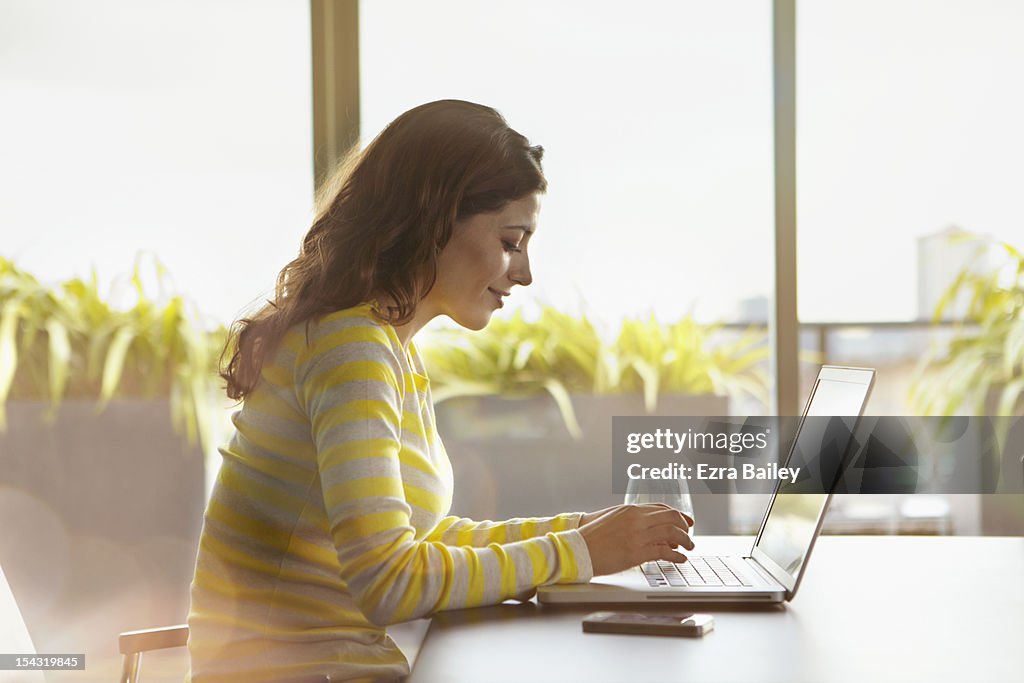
(771, 573)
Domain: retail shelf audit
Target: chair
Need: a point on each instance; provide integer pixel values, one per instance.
(14, 635)
(133, 643)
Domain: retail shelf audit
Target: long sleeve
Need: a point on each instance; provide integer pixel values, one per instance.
(467, 532)
(373, 455)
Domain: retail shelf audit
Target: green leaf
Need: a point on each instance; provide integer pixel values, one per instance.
(557, 391)
(1013, 360)
(649, 376)
(458, 389)
(60, 360)
(986, 356)
(8, 353)
(523, 353)
(113, 367)
(1009, 400)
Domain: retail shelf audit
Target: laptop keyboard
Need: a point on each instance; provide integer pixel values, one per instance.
(698, 571)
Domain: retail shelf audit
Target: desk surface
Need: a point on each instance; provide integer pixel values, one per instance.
(870, 608)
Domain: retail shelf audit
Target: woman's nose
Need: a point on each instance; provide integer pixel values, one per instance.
(519, 270)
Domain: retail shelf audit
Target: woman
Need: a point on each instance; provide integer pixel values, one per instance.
(327, 522)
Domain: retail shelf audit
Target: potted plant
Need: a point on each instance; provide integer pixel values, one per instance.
(103, 411)
(562, 356)
(981, 370)
(526, 407)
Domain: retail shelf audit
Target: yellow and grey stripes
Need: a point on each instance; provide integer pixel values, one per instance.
(327, 521)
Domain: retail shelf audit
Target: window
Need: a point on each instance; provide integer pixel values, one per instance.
(656, 118)
(908, 131)
(179, 129)
(656, 122)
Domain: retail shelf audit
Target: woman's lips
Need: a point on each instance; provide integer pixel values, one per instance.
(498, 295)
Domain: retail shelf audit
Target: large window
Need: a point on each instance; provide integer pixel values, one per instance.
(657, 122)
(908, 133)
(181, 129)
(908, 123)
(656, 118)
(178, 128)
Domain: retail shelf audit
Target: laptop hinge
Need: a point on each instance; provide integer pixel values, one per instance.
(766, 575)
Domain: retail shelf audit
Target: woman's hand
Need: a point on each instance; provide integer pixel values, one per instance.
(588, 517)
(627, 535)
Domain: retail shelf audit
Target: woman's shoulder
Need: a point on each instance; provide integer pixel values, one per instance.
(361, 316)
(355, 332)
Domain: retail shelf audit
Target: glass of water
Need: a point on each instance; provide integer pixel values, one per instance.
(672, 492)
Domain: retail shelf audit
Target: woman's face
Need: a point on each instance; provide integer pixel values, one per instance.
(485, 257)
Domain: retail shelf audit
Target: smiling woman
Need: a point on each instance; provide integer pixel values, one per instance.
(486, 257)
(328, 518)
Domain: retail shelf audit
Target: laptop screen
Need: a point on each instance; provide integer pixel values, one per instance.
(793, 518)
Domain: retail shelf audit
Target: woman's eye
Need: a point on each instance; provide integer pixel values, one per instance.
(512, 247)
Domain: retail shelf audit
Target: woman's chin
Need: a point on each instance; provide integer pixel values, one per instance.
(474, 321)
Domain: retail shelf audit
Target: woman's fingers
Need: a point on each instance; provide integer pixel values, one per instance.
(666, 514)
(662, 552)
(668, 534)
(627, 535)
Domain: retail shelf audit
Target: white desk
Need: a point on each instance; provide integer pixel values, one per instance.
(870, 609)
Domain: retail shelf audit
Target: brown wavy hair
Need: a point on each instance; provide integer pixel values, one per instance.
(382, 220)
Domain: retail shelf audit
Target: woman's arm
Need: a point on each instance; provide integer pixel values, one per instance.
(351, 388)
(462, 531)
(467, 532)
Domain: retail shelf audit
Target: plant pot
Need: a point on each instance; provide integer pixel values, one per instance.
(105, 511)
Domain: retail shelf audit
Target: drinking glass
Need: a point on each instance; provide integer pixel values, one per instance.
(672, 492)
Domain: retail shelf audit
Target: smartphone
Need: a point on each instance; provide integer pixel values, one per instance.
(693, 625)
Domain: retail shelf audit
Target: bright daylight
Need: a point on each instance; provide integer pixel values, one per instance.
(512, 341)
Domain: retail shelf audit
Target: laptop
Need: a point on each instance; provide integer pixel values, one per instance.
(771, 573)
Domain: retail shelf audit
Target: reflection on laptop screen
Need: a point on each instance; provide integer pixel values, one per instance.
(793, 517)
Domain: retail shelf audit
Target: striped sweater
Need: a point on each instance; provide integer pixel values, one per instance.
(327, 520)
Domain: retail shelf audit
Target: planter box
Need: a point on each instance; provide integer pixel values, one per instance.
(1002, 514)
(102, 515)
(514, 457)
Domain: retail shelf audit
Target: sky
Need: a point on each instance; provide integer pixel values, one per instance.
(183, 128)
